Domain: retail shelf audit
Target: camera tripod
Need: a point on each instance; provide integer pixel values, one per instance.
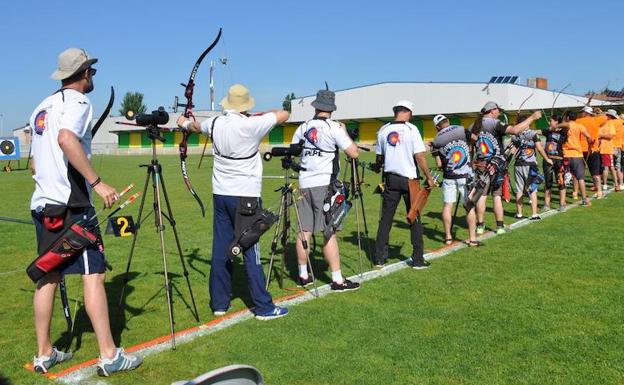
(357, 194)
(282, 233)
(154, 173)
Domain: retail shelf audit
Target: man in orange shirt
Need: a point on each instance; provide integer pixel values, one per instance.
(592, 153)
(606, 135)
(573, 151)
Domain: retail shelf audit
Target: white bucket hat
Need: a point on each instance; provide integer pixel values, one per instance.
(238, 99)
(613, 113)
(72, 61)
(588, 110)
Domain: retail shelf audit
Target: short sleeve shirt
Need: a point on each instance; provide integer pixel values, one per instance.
(451, 145)
(237, 136)
(526, 142)
(398, 142)
(56, 180)
(573, 148)
(554, 142)
(609, 128)
(489, 142)
(321, 139)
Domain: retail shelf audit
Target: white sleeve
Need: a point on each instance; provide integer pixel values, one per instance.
(261, 124)
(342, 138)
(75, 117)
(298, 135)
(206, 126)
(419, 145)
(379, 148)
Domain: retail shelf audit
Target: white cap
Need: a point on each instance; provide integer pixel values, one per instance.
(438, 119)
(588, 109)
(613, 113)
(405, 103)
(71, 61)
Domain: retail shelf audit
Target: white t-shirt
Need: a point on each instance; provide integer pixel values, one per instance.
(237, 136)
(398, 142)
(57, 181)
(321, 136)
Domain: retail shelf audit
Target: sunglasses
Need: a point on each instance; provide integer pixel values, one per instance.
(92, 71)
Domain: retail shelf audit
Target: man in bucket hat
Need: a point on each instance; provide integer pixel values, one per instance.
(318, 181)
(64, 179)
(236, 188)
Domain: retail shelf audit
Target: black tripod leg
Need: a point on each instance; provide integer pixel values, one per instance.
(66, 310)
(366, 234)
(134, 237)
(177, 240)
(274, 242)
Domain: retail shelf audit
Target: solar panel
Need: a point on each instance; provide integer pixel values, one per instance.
(506, 79)
(492, 79)
(499, 79)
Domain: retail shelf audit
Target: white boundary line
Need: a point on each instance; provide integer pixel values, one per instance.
(83, 376)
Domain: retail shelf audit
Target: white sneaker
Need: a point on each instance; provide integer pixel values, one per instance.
(605, 187)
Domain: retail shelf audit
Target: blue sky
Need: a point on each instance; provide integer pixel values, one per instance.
(280, 47)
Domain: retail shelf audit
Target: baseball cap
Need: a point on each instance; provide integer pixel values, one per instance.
(438, 119)
(489, 106)
(613, 113)
(405, 103)
(72, 61)
(588, 109)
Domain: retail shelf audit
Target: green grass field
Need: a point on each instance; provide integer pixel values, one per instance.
(541, 305)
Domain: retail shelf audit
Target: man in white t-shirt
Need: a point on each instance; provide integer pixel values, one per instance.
(322, 138)
(236, 188)
(400, 149)
(64, 178)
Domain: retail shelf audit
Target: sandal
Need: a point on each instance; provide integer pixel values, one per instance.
(473, 243)
(448, 241)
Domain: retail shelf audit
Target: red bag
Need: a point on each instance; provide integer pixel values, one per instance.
(69, 243)
(506, 188)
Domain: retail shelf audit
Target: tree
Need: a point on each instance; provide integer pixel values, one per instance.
(133, 101)
(286, 104)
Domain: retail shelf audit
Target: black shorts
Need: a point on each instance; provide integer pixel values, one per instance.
(554, 174)
(577, 168)
(90, 261)
(594, 163)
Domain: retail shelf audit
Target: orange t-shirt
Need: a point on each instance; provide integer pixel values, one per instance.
(618, 141)
(573, 148)
(606, 145)
(593, 126)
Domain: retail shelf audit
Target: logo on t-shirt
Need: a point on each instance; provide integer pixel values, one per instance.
(311, 135)
(40, 122)
(487, 146)
(457, 156)
(551, 148)
(393, 138)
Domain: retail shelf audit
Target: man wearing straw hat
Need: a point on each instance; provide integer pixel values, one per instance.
(236, 188)
(64, 179)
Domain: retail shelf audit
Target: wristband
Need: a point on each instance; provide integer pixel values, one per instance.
(96, 182)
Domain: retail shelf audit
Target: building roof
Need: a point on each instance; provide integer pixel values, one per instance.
(376, 100)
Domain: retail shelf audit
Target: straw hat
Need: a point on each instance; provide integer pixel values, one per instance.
(238, 99)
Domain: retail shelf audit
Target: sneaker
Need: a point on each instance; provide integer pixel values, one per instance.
(480, 230)
(303, 282)
(605, 187)
(563, 208)
(346, 285)
(535, 218)
(122, 361)
(277, 312)
(420, 264)
(219, 313)
(598, 196)
(519, 216)
(585, 203)
(501, 230)
(546, 208)
(43, 363)
(575, 196)
(379, 265)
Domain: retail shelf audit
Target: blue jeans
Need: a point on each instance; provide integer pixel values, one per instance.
(220, 285)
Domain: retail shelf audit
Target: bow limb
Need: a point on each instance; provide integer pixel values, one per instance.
(102, 118)
(522, 104)
(552, 108)
(188, 113)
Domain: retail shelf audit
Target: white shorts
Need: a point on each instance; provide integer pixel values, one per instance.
(450, 188)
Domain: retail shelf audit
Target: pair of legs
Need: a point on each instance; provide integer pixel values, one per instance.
(594, 163)
(554, 175)
(608, 166)
(226, 219)
(523, 182)
(577, 168)
(96, 306)
(450, 188)
(330, 252)
(396, 188)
